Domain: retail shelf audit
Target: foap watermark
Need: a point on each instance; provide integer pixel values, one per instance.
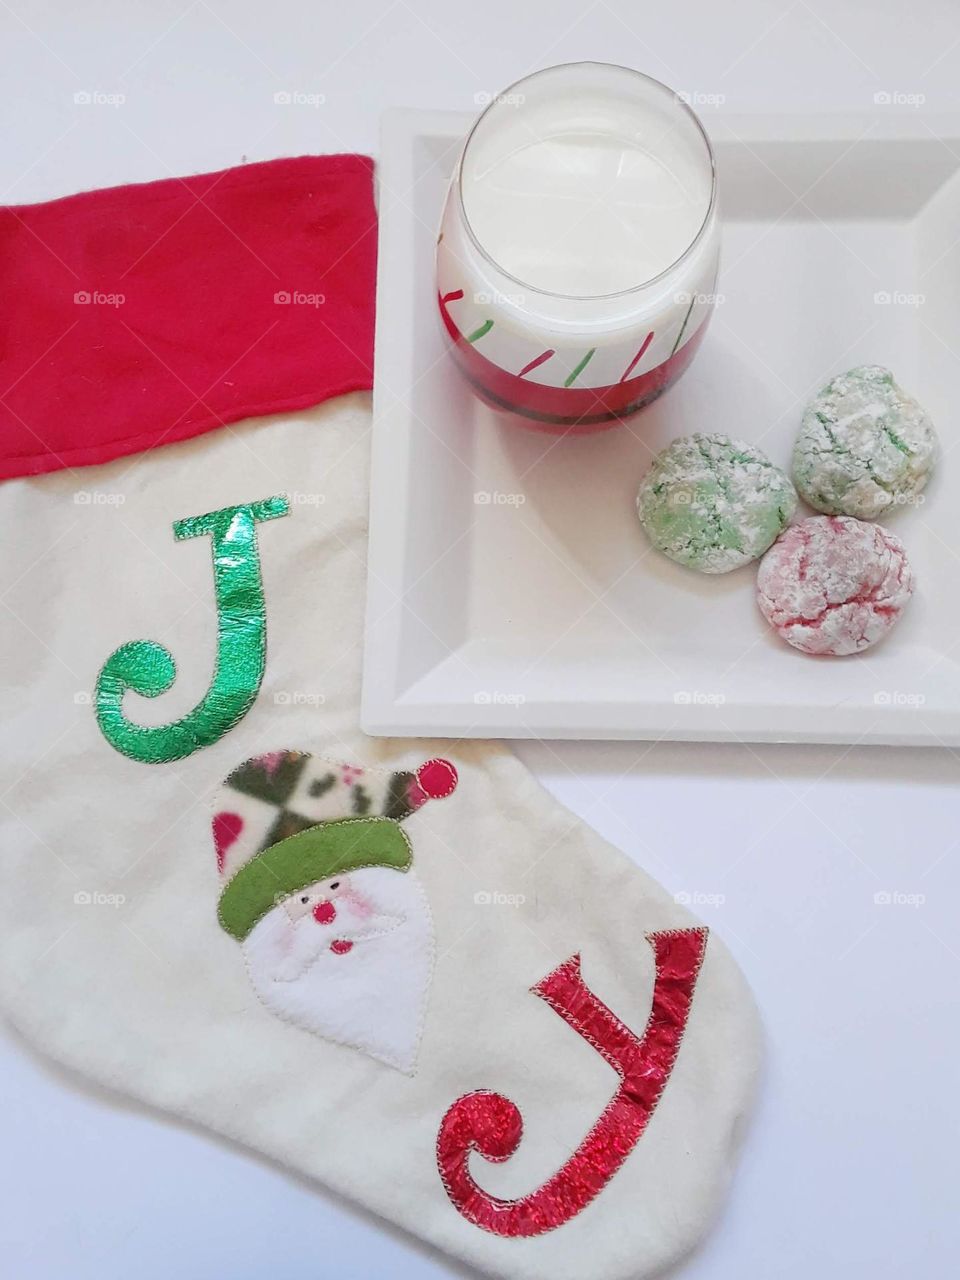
(304, 499)
(898, 298)
(298, 298)
(698, 698)
(82, 698)
(97, 898)
(897, 898)
(898, 98)
(698, 98)
(907, 499)
(685, 298)
(496, 498)
(898, 698)
(97, 298)
(96, 498)
(498, 698)
(97, 98)
(484, 98)
(698, 898)
(298, 98)
(493, 297)
(298, 698)
(494, 898)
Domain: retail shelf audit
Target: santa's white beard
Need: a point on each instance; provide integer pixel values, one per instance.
(371, 996)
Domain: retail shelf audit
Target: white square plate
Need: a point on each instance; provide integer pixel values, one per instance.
(511, 590)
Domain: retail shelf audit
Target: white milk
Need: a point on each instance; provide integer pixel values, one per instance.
(586, 197)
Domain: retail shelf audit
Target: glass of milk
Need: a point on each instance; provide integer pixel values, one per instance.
(578, 251)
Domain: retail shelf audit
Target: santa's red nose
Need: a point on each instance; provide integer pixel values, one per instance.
(324, 912)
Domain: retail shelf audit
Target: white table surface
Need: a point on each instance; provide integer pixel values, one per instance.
(851, 1165)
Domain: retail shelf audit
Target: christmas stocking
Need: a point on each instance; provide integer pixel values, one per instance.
(399, 968)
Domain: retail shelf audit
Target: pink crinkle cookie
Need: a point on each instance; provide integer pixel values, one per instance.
(834, 585)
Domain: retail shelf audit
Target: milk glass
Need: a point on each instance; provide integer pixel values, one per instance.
(578, 251)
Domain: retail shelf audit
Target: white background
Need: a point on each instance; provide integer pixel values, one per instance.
(851, 1163)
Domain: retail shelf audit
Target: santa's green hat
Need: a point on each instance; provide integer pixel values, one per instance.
(286, 820)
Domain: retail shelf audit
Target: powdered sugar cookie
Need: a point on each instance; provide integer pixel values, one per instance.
(864, 446)
(713, 503)
(834, 585)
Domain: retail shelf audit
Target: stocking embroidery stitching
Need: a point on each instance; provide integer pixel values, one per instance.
(149, 669)
(491, 1124)
(335, 928)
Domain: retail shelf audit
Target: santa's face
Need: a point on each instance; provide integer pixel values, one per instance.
(321, 899)
(349, 959)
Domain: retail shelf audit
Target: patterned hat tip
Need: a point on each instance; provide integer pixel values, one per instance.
(435, 780)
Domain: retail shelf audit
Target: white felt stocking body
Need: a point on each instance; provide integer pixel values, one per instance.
(346, 1063)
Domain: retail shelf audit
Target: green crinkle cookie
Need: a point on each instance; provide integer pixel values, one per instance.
(713, 503)
(865, 446)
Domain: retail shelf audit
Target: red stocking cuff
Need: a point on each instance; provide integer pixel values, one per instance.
(142, 315)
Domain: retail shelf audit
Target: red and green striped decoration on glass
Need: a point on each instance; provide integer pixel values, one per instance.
(561, 394)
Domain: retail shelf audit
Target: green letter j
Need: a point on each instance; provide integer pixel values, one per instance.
(149, 669)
